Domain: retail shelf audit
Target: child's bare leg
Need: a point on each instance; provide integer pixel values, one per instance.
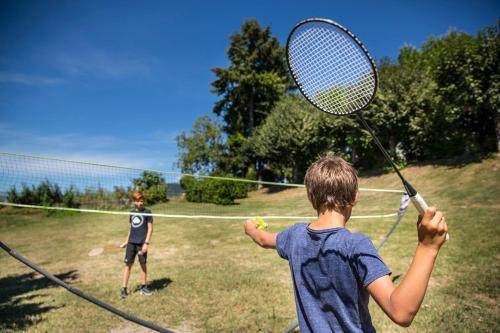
(126, 275)
(144, 274)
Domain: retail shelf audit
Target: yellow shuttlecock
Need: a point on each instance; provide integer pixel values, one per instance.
(259, 222)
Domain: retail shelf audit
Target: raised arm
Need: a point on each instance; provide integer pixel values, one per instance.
(263, 238)
(401, 303)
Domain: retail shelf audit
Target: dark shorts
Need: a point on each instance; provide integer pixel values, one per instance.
(133, 250)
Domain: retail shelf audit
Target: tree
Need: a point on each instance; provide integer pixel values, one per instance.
(250, 87)
(405, 107)
(153, 185)
(201, 150)
(466, 71)
(490, 48)
(487, 73)
(442, 100)
(295, 134)
(255, 80)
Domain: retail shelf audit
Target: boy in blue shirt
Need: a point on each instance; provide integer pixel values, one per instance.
(334, 271)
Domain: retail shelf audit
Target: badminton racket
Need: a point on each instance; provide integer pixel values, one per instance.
(336, 74)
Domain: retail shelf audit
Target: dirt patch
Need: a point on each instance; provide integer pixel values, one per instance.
(168, 251)
(485, 299)
(213, 242)
(185, 327)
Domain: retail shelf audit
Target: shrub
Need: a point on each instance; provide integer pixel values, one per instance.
(70, 198)
(212, 190)
(44, 194)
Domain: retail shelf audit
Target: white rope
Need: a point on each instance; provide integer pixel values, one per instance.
(186, 216)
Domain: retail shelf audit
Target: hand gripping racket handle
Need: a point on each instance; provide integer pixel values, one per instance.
(421, 206)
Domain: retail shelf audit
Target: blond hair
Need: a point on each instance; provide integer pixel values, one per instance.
(136, 196)
(331, 184)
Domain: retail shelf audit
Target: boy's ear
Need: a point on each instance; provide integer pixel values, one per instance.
(356, 199)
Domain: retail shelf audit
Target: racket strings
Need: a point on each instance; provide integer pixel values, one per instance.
(331, 68)
(345, 74)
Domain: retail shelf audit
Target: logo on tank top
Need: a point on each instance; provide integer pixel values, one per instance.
(136, 221)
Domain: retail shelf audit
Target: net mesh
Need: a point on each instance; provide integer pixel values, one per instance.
(56, 184)
(332, 70)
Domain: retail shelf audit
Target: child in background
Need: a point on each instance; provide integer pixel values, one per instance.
(138, 238)
(334, 271)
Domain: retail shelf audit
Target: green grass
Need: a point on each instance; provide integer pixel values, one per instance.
(209, 277)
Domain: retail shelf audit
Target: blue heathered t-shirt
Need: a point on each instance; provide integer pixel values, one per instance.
(331, 269)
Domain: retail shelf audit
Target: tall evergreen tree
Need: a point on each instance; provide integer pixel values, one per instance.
(250, 87)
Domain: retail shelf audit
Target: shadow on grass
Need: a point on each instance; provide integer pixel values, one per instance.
(17, 310)
(275, 189)
(159, 284)
(156, 285)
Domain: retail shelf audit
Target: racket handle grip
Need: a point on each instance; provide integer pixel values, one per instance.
(419, 203)
(421, 206)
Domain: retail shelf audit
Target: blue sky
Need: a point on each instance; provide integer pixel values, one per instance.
(115, 82)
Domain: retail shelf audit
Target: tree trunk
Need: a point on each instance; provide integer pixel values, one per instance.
(355, 157)
(392, 146)
(296, 174)
(251, 112)
(497, 129)
(259, 166)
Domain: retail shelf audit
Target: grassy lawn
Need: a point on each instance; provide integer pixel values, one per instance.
(207, 276)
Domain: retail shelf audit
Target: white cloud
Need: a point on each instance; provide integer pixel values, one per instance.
(32, 80)
(98, 63)
(87, 62)
(166, 138)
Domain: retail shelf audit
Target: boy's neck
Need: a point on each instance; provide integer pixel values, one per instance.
(330, 219)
